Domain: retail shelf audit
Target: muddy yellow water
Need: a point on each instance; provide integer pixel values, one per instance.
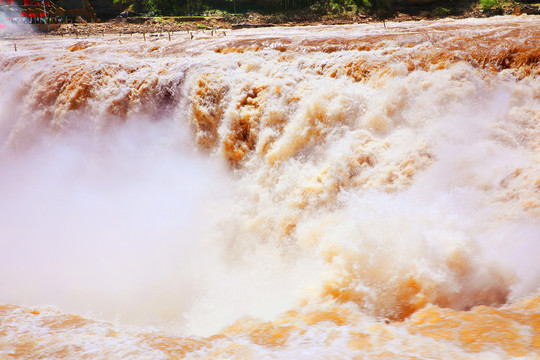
(322, 192)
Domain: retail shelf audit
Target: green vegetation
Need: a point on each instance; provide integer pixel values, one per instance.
(489, 4)
(440, 11)
(287, 10)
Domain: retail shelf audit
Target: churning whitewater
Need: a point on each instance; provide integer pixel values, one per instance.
(325, 192)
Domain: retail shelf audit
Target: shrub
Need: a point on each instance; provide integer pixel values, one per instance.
(364, 4)
(489, 4)
(440, 12)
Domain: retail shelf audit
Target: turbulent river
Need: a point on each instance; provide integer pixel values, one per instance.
(359, 191)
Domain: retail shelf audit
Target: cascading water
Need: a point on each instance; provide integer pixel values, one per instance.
(315, 192)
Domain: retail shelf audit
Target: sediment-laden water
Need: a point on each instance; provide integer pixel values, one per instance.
(291, 193)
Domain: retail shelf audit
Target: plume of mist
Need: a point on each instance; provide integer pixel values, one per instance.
(125, 228)
(12, 22)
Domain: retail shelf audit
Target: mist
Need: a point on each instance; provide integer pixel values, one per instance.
(123, 229)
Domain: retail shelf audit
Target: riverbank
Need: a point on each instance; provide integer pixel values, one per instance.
(151, 25)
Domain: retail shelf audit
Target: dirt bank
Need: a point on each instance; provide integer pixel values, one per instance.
(164, 25)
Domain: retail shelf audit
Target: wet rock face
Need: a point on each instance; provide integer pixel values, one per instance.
(529, 9)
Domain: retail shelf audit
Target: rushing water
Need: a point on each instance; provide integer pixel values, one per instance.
(294, 193)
